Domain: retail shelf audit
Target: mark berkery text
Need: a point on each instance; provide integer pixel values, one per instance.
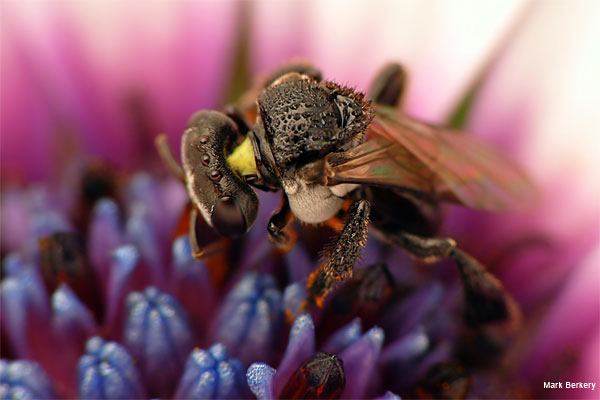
(569, 385)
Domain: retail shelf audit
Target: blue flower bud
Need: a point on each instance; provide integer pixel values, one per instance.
(23, 379)
(260, 380)
(24, 308)
(12, 264)
(157, 334)
(250, 318)
(212, 375)
(107, 371)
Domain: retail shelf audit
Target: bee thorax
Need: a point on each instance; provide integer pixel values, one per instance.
(311, 203)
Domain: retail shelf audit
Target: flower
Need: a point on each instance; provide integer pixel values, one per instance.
(95, 263)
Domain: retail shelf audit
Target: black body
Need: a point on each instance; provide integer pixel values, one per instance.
(300, 121)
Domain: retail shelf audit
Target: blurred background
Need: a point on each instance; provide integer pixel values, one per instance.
(100, 79)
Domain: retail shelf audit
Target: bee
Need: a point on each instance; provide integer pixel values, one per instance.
(324, 145)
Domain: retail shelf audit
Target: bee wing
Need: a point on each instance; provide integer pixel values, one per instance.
(447, 164)
(381, 161)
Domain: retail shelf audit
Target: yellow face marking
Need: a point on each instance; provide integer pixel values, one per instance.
(241, 160)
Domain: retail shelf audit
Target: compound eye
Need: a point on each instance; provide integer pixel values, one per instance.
(343, 111)
(227, 218)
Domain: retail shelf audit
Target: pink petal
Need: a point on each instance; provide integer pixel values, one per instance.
(90, 75)
(442, 44)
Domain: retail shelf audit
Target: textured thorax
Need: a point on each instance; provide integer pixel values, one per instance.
(303, 118)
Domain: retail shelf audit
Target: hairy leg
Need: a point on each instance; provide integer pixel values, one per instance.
(341, 254)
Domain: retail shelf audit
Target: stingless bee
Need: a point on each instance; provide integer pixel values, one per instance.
(323, 144)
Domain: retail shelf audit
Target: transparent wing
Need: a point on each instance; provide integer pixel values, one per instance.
(447, 164)
(381, 161)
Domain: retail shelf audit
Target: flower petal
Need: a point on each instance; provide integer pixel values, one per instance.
(73, 74)
(71, 319)
(29, 215)
(359, 362)
(105, 234)
(406, 348)
(72, 323)
(404, 316)
(143, 234)
(301, 345)
(344, 337)
(190, 280)
(15, 219)
(579, 293)
(125, 261)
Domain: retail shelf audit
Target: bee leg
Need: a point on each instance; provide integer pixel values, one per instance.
(341, 255)
(428, 249)
(299, 67)
(227, 203)
(164, 151)
(485, 298)
(389, 85)
(279, 220)
(197, 252)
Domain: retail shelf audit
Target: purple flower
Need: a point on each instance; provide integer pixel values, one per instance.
(100, 294)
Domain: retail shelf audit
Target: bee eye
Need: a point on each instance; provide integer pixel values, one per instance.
(342, 112)
(339, 115)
